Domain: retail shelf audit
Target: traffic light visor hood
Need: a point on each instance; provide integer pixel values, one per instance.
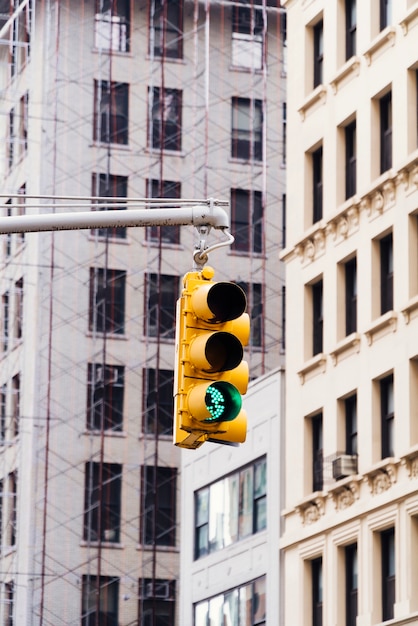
(219, 302)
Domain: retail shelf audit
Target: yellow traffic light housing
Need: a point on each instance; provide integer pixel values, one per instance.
(210, 374)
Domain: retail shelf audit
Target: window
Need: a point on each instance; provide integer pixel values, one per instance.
(350, 160)
(158, 505)
(317, 591)
(350, 406)
(317, 184)
(318, 37)
(102, 502)
(10, 146)
(166, 28)
(351, 584)
(110, 124)
(385, 13)
(15, 416)
(247, 37)
(350, 28)
(386, 274)
(317, 453)
(107, 300)
(156, 602)
(239, 500)
(105, 389)
(20, 37)
(18, 312)
(283, 317)
(317, 317)
(3, 418)
(163, 189)
(22, 137)
(284, 131)
(243, 606)
(351, 296)
(100, 597)
(160, 305)
(387, 416)
(10, 510)
(110, 186)
(158, 401)
(254, 293)
(247, 129)
(387, 539)
(247, 220)
(283, 220)
(5, 305)
(385, 105)
(166, 119)
(9, 597)
(7, 238)
(112, 25)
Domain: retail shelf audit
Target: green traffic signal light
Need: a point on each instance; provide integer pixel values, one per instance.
(223, 401)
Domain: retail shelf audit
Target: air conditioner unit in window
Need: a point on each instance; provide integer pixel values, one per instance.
(344, 465)
(161, 590)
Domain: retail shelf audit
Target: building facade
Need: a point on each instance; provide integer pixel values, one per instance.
(231, 520)
(350, 535)
(104, 102)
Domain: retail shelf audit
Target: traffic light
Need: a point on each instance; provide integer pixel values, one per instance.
(210, 374)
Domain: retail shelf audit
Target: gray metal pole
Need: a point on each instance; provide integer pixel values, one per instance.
(205, 215)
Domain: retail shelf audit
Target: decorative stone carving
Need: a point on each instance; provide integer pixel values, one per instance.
(380, 483)
(353, 216)
(312, 509)
(403, 179)
(389, 192)
(343, 227)
(414, 175)
(310, 250)
(382, 476)
(378, 201)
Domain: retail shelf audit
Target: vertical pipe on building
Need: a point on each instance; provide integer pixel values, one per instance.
(50, 330)
(207, 84)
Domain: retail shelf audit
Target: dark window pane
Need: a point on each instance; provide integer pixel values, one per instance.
(158, 401)
(102, 502)
(100, 600)
(160, 305)
(110, 112)
(317, 184)
(351, 296)
(387, 416)
(386, 133)
(158, 505)
(318, 33)
(107, 300)
(163, 189)
(351, 424)
(316, 569)
(105, 393)
(166, 28)
(386, 274)
(317, 453)
(247, 220)
(388, 573)
(350, 160)
(351, 584)
(105, 185)
(350, 28)
(317, 315)
(166, 118)
(247, 129)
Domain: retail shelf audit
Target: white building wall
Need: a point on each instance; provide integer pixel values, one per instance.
(258, 554)
(383, 492)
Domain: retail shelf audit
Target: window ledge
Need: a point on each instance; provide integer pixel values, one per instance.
(384, 39)
(311, 508)
(410, 19)
(115, 146)
(351, 67)
(410, 460)
(106, 433)
(109, 335)
(409, 311)
(314, 366)
(101, 544)
(102, 239)
(147, 547)
(386, 322)
(317, 96)
(251, 162)
(351, 343)
(381, 476)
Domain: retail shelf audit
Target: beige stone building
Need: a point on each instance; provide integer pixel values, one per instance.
(350, 540)
(103, 102)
